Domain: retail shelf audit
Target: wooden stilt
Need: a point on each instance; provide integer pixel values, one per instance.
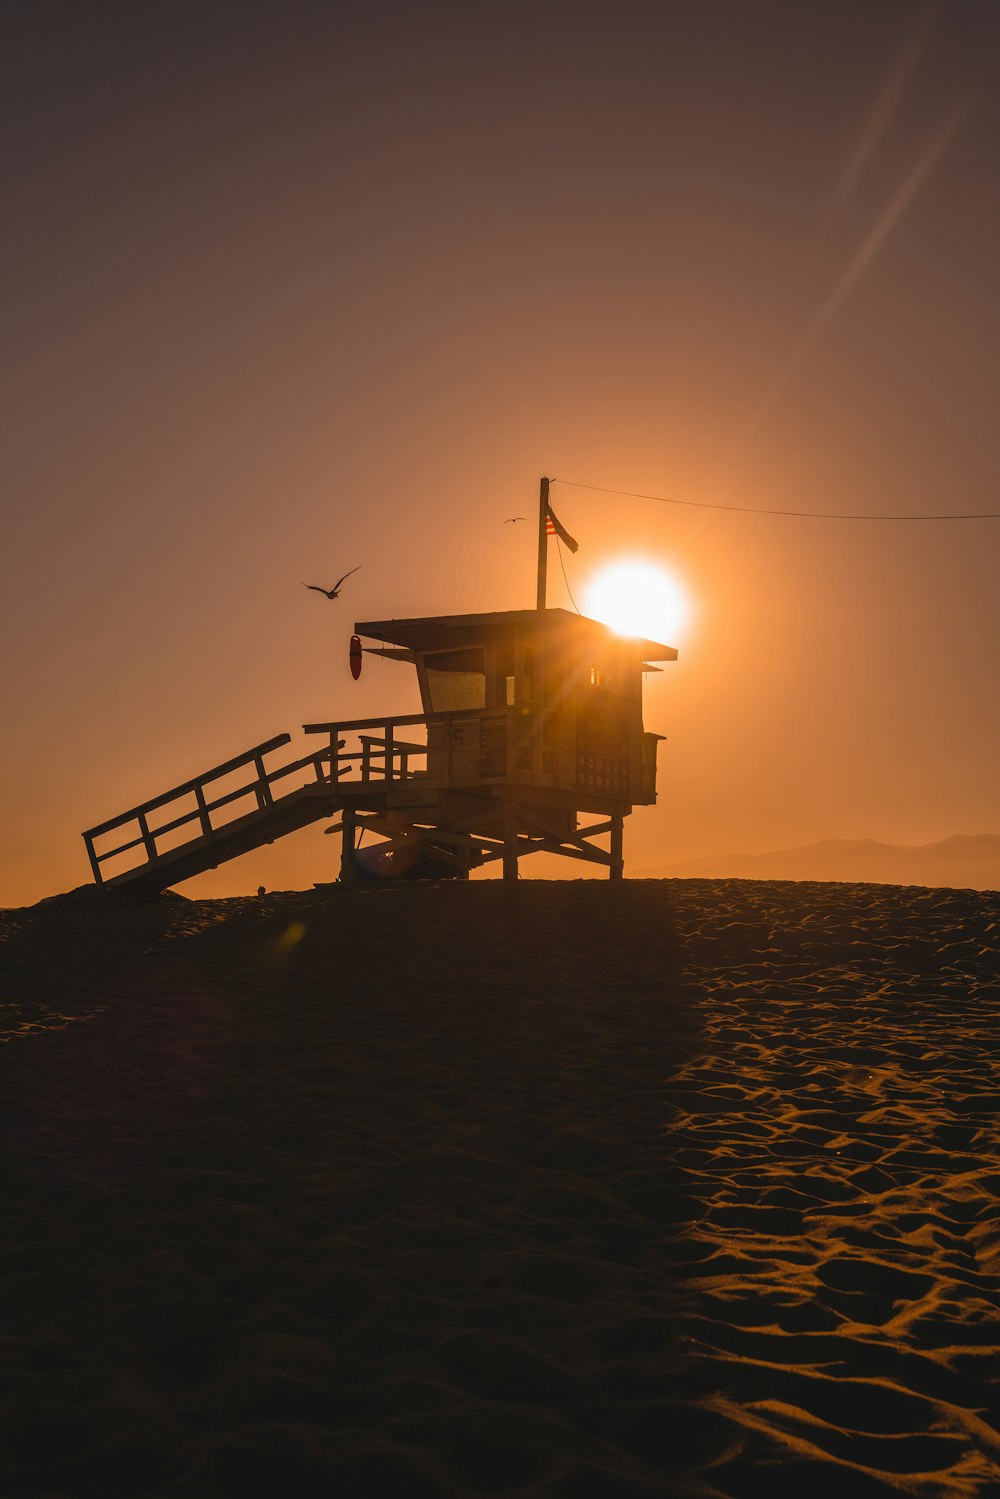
(347, 870)
(617, 869)
(509, 842)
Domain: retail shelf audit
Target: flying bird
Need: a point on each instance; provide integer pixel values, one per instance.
(332, 593)
(512, 520)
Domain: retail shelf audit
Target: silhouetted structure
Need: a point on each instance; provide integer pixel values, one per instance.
(532, 719)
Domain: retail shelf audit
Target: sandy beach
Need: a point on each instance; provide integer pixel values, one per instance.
(573, 1189)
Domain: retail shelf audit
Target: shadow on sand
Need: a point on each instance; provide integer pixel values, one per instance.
(368, 1188)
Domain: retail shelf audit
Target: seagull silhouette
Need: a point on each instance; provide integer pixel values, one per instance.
(512, 520)
(332, 593)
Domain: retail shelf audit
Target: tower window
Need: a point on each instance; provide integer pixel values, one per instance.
(456, 679)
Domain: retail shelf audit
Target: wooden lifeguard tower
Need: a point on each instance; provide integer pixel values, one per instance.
(530, 739)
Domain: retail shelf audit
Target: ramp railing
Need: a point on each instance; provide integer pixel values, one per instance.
(144, 829)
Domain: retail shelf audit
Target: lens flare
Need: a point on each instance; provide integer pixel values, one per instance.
(292, 936)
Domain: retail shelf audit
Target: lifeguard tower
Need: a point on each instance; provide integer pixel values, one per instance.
(530, 739)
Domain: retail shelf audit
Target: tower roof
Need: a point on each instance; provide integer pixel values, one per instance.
(438, 632)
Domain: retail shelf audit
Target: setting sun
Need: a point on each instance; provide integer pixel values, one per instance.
(638, 598)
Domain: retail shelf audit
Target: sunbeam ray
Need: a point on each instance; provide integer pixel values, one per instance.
(885, 107)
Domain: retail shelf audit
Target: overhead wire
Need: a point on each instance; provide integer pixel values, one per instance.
(662, 499)
(565, 579)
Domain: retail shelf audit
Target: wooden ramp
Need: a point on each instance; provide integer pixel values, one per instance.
(214, 817)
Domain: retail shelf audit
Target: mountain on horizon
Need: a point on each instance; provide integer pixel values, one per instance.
(964, 862)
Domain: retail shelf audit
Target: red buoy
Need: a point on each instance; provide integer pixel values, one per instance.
(355, 656)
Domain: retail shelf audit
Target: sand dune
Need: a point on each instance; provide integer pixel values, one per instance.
(570, 1189)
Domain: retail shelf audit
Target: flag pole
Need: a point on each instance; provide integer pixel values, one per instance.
(543, 540)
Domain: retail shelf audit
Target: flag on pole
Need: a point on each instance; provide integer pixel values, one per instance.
(554, 528)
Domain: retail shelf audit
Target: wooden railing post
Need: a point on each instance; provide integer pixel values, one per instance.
(335, 754)
(388, 752)
(147, 837)
(203, 813)
(263, 789)
(95, 862)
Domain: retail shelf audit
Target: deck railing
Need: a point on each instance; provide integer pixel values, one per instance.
(371, 751)
(147, 836)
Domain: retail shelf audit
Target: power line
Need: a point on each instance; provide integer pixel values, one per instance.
(565, 579)
(756, 510)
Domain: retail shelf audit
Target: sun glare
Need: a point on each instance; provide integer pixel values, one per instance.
(638, 598)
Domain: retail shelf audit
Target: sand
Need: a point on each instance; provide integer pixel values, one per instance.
(573, 1189)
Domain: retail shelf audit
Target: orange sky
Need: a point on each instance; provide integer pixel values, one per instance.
(291, 289)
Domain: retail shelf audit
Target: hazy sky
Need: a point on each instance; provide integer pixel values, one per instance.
(294, 287)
